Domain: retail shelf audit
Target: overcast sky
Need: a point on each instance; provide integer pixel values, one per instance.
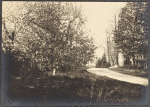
(100, 15)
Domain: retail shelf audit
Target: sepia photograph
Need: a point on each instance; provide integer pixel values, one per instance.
(74, 53)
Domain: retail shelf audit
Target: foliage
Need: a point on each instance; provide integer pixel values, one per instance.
(131, 36)
(98, 64)
(102, 63)
(50, 34)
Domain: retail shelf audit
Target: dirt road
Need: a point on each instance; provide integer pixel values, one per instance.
(119, 76)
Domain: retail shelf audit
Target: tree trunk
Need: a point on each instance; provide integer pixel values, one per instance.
(133, 62)
(117, 59)
(146, 65)
(67, 73)
(54, 71)
(22, 75)
(112, 60)
(108, 50)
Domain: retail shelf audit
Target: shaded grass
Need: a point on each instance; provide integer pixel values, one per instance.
(133, 72)
(77, 86)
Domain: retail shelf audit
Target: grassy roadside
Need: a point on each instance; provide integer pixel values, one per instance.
(133, 72)
(77, 86)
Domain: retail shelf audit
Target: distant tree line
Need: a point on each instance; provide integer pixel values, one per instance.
(102, 62)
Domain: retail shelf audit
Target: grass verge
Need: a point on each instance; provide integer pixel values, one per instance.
(77, 86)
(133, 72)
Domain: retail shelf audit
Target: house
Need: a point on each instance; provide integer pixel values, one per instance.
(141, 58)
(141, 61)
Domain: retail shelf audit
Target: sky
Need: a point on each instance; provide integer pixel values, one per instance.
(99, 19)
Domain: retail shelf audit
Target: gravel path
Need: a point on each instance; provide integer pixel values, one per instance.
(119, 76)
